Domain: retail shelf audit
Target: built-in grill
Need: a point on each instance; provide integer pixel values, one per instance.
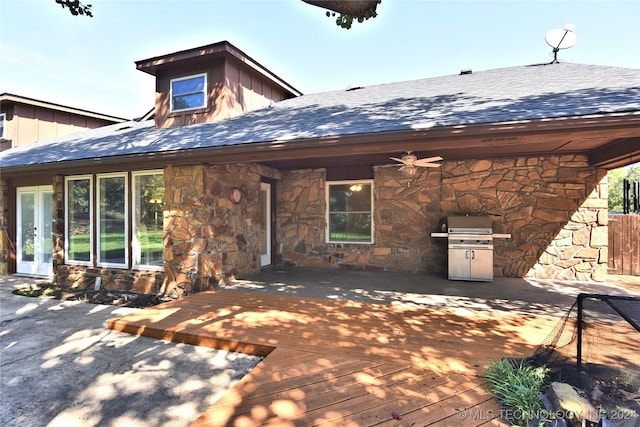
(470, 247)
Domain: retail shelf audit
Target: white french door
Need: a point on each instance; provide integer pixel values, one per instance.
(34, 215)
(265, 224)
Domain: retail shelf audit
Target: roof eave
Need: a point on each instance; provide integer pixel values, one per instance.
(611, 127)
(8, 97)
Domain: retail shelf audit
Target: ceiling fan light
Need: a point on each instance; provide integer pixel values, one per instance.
(409, 158)
(409, 170)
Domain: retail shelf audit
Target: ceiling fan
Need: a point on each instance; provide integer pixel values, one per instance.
(410, 161)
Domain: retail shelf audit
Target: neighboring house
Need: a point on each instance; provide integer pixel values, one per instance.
(238, 171)
(25, 120)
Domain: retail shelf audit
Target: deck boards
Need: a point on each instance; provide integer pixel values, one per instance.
(345, 363)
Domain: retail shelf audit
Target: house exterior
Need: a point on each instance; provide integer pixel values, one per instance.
(26, 121)
(238, 171)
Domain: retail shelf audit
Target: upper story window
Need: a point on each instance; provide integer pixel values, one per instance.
(3, 120)
(350, 211)
(188, 93)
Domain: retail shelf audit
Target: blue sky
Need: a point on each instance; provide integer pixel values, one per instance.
(88, 63)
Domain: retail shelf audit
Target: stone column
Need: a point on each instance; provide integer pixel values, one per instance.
(183, 185)
(207, 237)
(301, 219)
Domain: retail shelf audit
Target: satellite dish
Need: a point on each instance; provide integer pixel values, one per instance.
(561, 38)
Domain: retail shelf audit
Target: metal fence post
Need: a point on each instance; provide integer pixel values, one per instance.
(579, 343)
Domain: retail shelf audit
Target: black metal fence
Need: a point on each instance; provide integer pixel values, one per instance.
(598, 330)
(630, 196)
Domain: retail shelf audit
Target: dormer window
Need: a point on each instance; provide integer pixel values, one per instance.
(210, 83)
(3, 119)
(189, 93)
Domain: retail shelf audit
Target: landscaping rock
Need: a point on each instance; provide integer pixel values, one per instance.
(574, 406)
(597, 395)
(538, 422)
(548, 421)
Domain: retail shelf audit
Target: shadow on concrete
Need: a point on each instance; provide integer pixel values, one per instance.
(514, 295)
(60, 366)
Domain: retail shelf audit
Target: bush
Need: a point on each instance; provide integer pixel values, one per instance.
(518, 387)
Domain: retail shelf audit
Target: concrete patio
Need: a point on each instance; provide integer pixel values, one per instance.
(61, 367)
(514, 295)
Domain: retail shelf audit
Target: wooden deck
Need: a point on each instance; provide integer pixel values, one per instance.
(345, 363)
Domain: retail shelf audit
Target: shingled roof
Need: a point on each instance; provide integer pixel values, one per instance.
(523, 93)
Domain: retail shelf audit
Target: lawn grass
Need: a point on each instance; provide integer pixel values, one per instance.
(111, 244)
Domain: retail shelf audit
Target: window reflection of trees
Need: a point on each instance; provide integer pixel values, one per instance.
(350, 212)
(148, 214)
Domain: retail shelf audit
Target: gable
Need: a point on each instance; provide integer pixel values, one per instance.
(233, 84)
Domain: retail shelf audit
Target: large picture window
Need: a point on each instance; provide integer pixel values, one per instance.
(111, 241)
(78, 219)
(148, 193)
(188, 93)
(350, 211)
(112, 220)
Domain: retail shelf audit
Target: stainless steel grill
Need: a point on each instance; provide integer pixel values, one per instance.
(470, 248)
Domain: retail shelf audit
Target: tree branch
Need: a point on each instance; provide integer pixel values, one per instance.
(75, 7)
(355, 8)
(348, 10)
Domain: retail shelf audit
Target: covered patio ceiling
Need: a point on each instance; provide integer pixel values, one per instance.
(610, 142)
(608, 153)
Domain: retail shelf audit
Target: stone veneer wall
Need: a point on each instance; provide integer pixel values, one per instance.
(402, 208)
(555, 208)
(300, 219)
(207, 238)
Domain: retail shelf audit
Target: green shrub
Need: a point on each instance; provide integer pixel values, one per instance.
(518, 387)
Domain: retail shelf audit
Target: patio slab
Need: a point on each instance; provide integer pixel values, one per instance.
(60, 366)
(505, 294)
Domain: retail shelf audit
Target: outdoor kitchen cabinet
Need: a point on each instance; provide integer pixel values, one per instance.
(470, 264)
(470, 247)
